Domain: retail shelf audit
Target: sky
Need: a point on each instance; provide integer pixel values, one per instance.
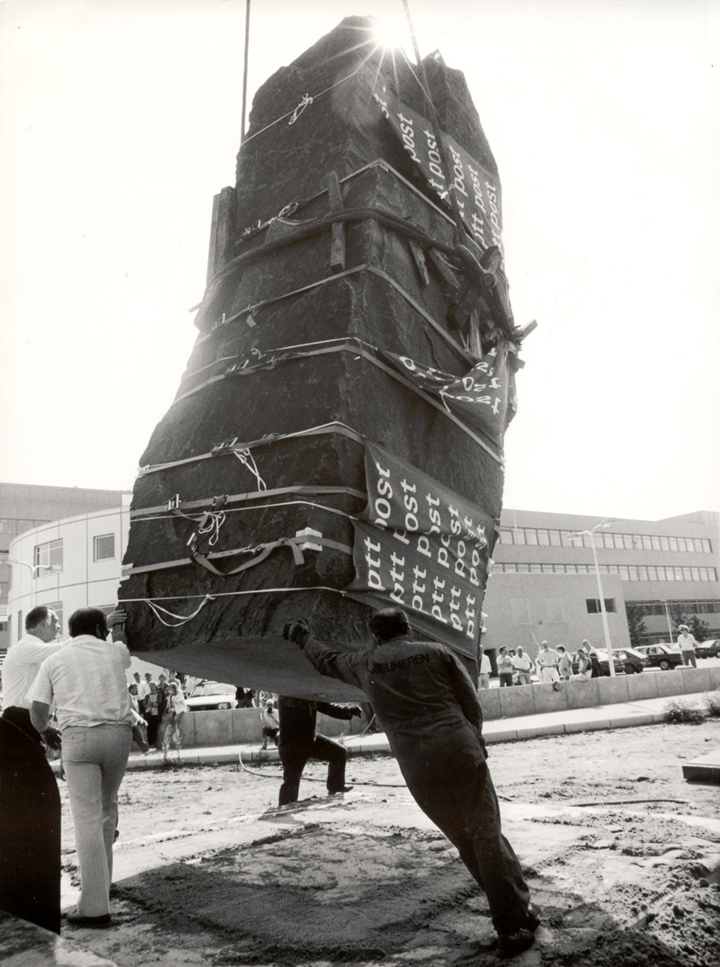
(121, 119)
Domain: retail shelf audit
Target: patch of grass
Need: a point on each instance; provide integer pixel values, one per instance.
(679, 711)
(712, 704)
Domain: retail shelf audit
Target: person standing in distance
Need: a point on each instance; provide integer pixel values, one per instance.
(429, 709)
(686, 643)
(85, 681)
(522, 664)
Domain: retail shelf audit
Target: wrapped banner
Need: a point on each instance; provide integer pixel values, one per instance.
(476, 191)
(484, 398)
(423, 547)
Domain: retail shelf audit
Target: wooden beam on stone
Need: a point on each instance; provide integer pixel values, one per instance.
(337, 239)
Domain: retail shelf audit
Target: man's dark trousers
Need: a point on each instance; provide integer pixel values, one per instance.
(294, 758)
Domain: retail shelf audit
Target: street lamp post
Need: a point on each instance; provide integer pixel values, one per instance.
(34, 571)
(667, 615)
(608, 522)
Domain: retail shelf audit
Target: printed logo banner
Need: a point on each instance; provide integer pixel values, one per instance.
(476, 191)
(422, 547)
(484, 398)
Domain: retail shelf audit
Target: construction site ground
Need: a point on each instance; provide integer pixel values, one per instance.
(621, 853)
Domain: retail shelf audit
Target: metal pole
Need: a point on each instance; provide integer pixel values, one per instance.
(245, 70)
(33, 574)
(606, 630)
(667, 615)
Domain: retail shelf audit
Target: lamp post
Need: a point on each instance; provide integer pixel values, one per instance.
(608, 522)
(34, 570)
(667, 615)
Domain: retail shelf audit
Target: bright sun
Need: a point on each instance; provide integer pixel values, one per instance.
(390, 32)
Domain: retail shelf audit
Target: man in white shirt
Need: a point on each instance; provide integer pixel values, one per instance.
(29, 799)
(485, 669)
(142, 688)
(522, 664)
(686, 643)
(546, 663)
(21, 666)
(85, 681)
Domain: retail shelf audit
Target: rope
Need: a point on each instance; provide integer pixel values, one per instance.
(246, 458)
(310, 100)
(211, 524)
(276, 777)
(305, 102)
(179, 618)
(335, 427)
(229, 594)
(281, 503)
(250, 495)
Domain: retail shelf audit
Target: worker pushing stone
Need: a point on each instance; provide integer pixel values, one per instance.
(428, 707)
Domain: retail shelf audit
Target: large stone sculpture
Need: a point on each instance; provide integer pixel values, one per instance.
(336, 441)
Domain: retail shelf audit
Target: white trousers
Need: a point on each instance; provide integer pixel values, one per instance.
(95, 759)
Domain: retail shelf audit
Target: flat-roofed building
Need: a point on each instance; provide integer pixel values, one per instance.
(544, 580)
(26, 506)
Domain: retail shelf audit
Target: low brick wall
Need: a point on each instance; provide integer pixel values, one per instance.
(501, 703)
(241, 726)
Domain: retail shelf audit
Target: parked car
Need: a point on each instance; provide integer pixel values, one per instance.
(211, 695)
(627, 661)
(708, 649)
(661, 655)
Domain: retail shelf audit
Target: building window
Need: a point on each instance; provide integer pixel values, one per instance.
(593, 605)
(519, 611)
(49, 555)
(531, 535)
(646, 543)
(543, 538)
(555, 539)
(104, 547)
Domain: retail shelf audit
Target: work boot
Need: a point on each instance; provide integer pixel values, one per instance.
(510, 944)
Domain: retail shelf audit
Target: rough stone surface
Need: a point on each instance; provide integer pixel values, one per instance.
(237, 634)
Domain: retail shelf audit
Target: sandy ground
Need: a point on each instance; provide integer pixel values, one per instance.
(621, 853)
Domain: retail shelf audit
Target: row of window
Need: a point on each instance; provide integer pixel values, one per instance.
(50, 554)
(626, 572)
(628, 542)
(554, 610)
(651, 608)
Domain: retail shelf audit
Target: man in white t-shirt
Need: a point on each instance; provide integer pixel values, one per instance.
(522, 663)
(21, 666)
(85, 681)
(547, 663)
(686, 643)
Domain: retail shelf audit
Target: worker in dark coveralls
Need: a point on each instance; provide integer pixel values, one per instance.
(298, 742)
(428, 707)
